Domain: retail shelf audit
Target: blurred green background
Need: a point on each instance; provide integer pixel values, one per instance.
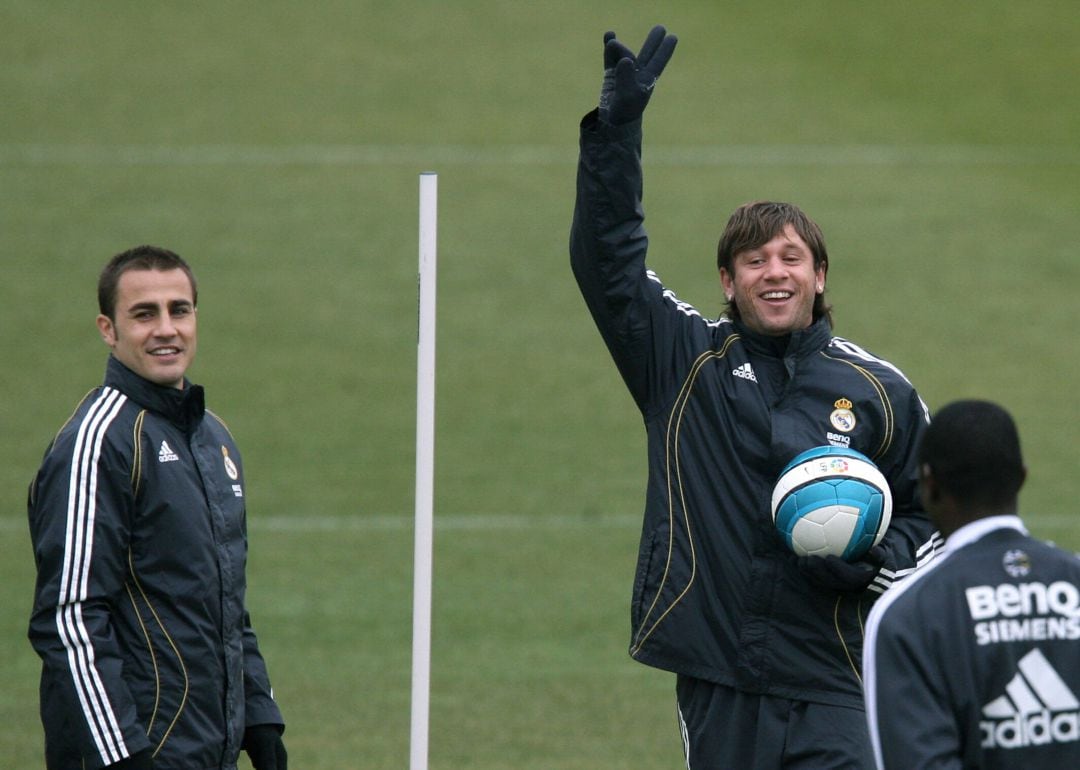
(277, 145)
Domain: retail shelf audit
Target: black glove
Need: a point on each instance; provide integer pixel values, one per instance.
(265, 748)
(144, 760)
(629, 80)
(834, 573)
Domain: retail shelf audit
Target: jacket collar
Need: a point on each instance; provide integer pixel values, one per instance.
(797, 344)
(184, 408)
(979, 528)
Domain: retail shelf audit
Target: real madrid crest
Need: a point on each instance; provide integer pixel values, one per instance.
(230, 466)
(1016, 563)
(842, 418)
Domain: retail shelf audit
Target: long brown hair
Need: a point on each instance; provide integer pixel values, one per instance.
(755, 224)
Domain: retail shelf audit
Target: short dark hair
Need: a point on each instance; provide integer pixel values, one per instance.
(756, 223)
(138, 258)
(973, 450)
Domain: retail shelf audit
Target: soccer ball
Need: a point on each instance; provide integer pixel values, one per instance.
(831, 500)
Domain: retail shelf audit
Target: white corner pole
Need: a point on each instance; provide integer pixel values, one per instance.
(425, 467)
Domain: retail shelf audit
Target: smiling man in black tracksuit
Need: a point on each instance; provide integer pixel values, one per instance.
(138, 523)
(766, 646)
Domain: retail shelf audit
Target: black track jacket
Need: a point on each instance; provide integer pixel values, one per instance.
(975, 662)
(717, 594)
(137, 520)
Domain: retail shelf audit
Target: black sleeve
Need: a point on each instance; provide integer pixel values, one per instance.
(80, 523)
(911, 540)
(650, 334)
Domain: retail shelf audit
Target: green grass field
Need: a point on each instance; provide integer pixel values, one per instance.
(277, 145)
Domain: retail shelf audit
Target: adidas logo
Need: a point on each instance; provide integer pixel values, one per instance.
(1037, 708)
(745, 371)
(165, 454)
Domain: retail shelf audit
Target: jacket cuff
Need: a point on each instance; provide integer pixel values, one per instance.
(263, 713)
(592, 126)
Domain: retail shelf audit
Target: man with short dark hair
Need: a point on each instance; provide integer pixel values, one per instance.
(975, 661)
(138, 524)
(765, 645)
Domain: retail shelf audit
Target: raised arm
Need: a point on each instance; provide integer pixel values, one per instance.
(608, 242)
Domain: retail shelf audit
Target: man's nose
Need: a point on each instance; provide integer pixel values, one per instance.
(775, 268)
(165, 326)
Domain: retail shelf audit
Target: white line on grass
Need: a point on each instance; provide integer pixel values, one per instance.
(403, 522)
(14, 154)
(474, 522)
(466, 522)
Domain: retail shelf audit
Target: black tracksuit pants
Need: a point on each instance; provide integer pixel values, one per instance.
(724, 729)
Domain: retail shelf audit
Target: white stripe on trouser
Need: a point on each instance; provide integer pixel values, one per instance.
(78, 547)
(685, 733)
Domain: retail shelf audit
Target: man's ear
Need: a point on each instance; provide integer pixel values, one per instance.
(107, 329)
(727, 284)
(927, 484)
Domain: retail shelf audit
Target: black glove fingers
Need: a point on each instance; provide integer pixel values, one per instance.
(628, 79)
(265, 748)
(876, 556)
(614, 52)
(662, 56)
(834, 573)
(610, 57)
(625, 76)
(651, 45)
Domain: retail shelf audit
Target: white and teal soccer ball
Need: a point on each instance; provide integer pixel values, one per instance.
(831, 500)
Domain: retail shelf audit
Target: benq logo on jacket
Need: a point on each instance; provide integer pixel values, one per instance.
(1024, 612)
(1037, 708)
(166, 454)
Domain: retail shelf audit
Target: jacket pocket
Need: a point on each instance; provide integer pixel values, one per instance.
(644, 582)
